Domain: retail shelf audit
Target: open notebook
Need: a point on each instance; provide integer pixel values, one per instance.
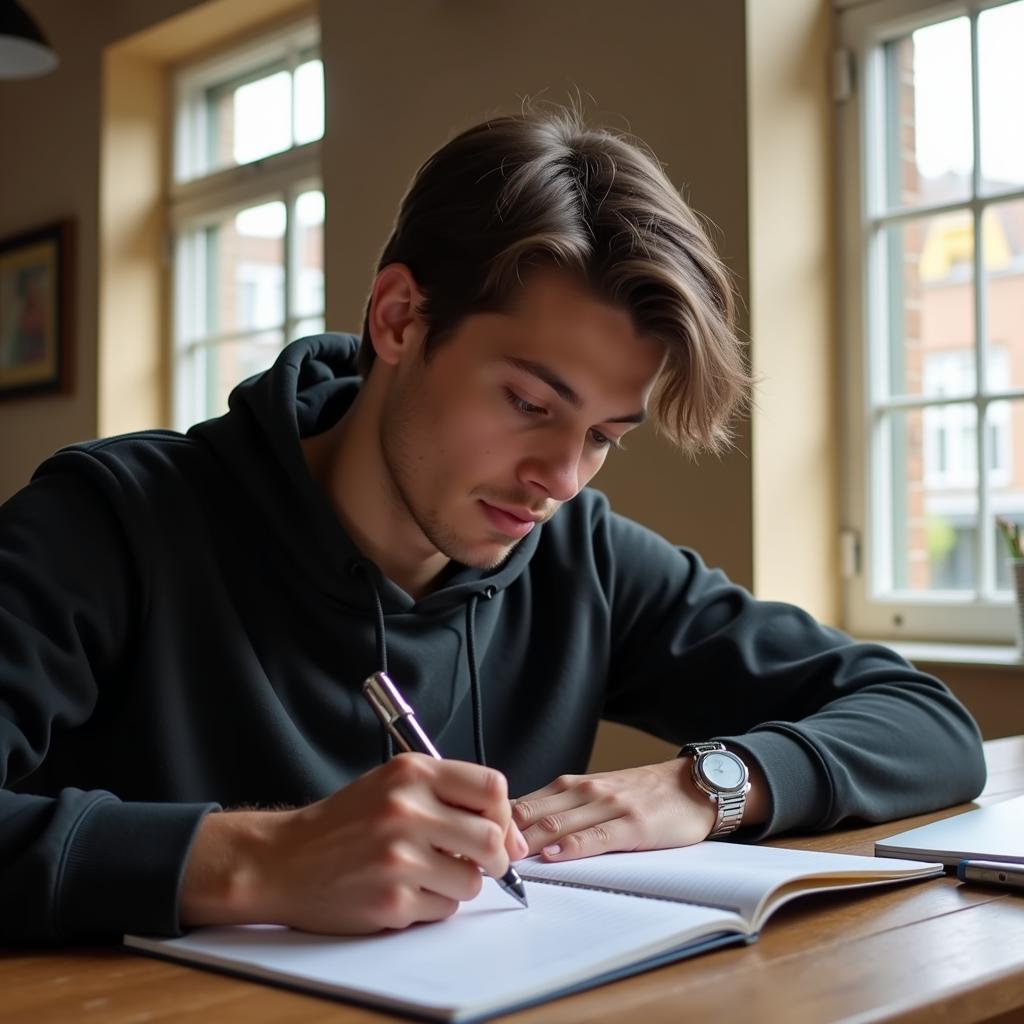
(589, 921)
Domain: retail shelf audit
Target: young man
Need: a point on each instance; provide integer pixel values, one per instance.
(186, 621)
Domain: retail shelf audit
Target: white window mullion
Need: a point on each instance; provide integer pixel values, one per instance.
(984, 554)
(878, 542)
(290, 258)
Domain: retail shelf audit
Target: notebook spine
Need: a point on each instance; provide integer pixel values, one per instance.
(605, 888)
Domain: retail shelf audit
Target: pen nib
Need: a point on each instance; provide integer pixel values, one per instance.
(513, 885)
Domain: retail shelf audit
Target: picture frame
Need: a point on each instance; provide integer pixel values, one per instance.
(36, 311)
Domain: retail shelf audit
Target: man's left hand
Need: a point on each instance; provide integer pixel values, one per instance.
(649, 808)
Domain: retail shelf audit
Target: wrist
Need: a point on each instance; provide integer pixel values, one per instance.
(701, 806)
(225, 878)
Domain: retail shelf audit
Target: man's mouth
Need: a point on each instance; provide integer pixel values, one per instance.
(514, 523)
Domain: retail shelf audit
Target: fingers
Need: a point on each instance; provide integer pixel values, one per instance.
(600, 837)
(542, 819)
(460, 784)
(580, 832)
(431, 906)
(450, 877)
(469, 835)
(558, 785)
(460, 807)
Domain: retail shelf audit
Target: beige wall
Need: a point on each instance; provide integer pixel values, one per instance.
(792, 245)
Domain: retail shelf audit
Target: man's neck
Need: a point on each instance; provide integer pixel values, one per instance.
(347, 462)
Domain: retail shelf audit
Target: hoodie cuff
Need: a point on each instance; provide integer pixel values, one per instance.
(799, 790)
(124, 866)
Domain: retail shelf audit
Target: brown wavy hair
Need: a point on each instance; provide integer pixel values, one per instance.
(543, 189)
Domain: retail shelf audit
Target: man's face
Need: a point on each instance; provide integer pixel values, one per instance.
(512, 415)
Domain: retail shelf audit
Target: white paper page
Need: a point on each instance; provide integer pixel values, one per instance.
(716, 874)
(492, 952)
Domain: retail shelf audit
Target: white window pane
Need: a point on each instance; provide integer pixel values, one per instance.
(304, 328)
(262, 117)
(930, 305)
(309, 101)
(1003, 244)
(308, 278)
(933, 504)
(226, 364)
(1000, 92)
(929, 133)
(244, 270)
(264, 221)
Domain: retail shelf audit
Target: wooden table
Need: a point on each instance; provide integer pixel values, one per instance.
(935, 951)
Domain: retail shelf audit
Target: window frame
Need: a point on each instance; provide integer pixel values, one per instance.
(984, 617)
(198, 201)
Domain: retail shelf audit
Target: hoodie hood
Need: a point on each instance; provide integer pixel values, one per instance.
(309, 388)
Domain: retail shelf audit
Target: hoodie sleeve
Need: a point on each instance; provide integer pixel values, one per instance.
(842, 730)
(78, 864)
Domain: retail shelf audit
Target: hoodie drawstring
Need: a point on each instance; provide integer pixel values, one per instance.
(474, 671)
(380, 637)
(474, 678)
(359, 568)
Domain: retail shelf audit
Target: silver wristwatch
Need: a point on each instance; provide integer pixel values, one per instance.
(724, 777)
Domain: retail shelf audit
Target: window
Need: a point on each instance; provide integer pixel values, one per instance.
(247, 214)
(932, 158)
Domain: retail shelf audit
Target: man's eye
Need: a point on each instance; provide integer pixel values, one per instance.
(520, 404)
(603, 440)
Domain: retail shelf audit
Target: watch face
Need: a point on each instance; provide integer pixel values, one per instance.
(722, 770)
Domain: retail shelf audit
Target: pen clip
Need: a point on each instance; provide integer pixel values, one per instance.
(396, 714)
(383, 695)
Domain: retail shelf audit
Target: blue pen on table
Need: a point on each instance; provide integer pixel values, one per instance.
(992, 872)
(398, 718)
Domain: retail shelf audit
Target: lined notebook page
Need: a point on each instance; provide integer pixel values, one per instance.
(492, 952)
(717, 874)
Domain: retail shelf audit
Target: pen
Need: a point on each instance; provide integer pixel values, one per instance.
(992, 872)
(400, 720)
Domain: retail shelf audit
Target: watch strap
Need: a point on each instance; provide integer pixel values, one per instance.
(701, 748)
(730, 814)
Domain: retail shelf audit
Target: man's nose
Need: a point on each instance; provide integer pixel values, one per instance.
(556, 470)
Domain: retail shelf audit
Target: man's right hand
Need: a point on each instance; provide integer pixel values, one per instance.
(376, 854)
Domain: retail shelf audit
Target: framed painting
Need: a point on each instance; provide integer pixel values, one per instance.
(35, 311)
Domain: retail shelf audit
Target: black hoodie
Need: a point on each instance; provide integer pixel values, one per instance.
(185, 625)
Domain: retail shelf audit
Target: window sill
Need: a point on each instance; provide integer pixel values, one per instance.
(957, 654)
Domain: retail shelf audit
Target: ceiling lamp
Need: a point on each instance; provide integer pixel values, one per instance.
(24, 50)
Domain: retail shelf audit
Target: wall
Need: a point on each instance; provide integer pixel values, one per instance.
(792, 245)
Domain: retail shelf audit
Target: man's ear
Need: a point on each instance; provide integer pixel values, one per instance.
(395, 325)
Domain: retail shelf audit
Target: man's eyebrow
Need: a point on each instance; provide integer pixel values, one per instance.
(566, 393)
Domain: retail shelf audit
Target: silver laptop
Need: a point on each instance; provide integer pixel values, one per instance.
(995, 832)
